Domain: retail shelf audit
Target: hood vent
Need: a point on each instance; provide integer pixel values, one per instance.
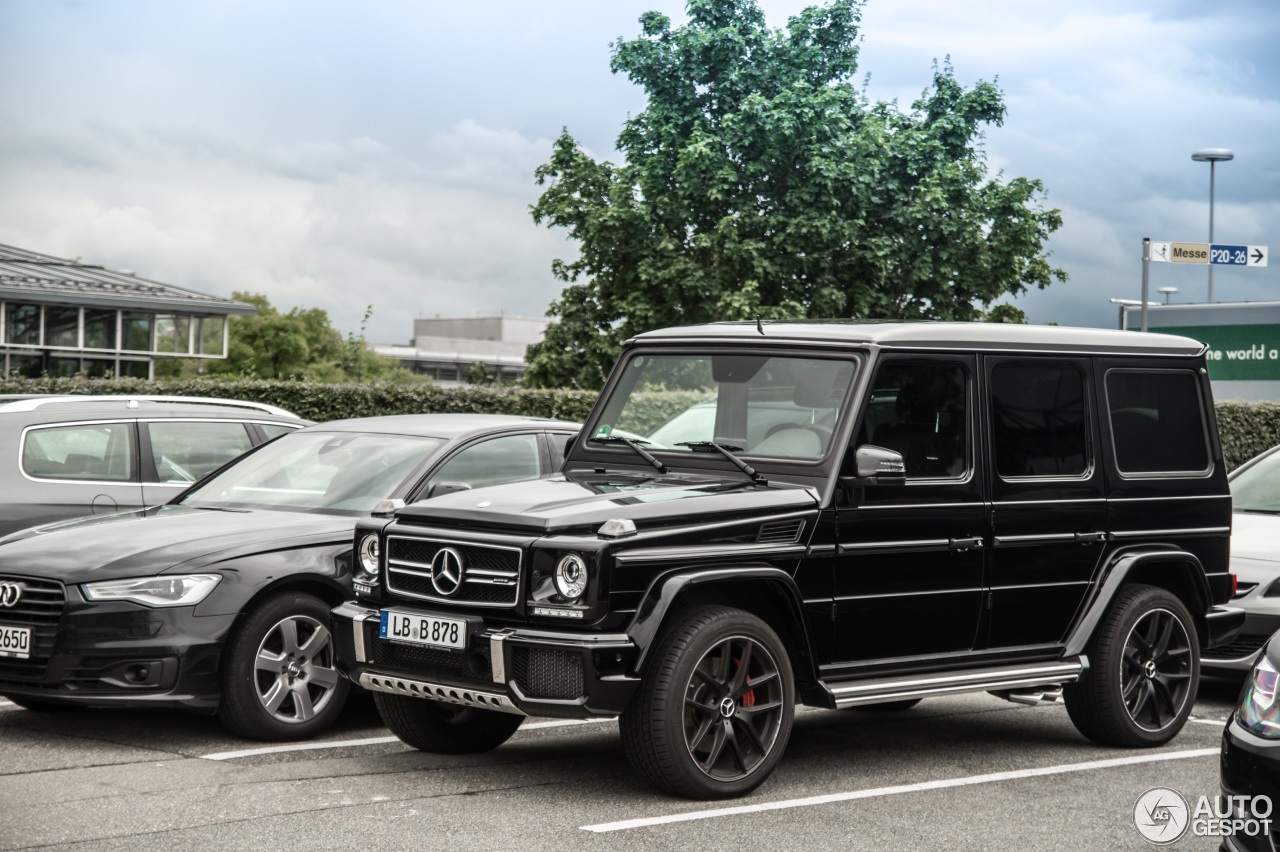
(781, 532)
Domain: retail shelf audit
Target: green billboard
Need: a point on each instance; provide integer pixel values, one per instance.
(1237, 352)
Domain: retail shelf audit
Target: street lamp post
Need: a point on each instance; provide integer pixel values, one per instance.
(1212, 156)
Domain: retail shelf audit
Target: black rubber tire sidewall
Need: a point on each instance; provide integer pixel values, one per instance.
(239, 708)
(440, 728)
(1094, 702)
(653, 735)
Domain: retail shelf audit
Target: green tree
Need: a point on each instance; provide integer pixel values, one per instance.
(299, 344)
(759, 182)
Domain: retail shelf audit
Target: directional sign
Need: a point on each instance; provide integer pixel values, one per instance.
(1204, 253)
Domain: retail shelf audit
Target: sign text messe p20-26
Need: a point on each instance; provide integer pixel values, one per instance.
(1205, 253)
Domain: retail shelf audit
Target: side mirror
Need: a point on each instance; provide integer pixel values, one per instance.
(876, 466)
(441, 488)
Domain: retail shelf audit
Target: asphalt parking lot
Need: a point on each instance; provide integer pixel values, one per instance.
(967, 772)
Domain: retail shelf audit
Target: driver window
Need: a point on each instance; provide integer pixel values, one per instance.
(507, 459)
(921, 411)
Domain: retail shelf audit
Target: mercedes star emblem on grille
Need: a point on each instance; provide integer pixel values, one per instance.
(447, 569)
(10, 593)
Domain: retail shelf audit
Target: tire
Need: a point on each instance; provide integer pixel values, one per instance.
(278, 680)
(889, 706)
(445, 728)
(713, 713)
(1144, 672)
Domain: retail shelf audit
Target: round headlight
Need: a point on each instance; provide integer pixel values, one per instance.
(370, 555)
(571, 576)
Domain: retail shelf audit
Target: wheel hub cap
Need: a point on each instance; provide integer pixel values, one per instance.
(728, 707)
(295, 669)
(1149, 669)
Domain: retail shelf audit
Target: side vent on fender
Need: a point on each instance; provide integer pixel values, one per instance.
(780, 532)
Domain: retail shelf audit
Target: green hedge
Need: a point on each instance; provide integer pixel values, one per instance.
(1247, 428)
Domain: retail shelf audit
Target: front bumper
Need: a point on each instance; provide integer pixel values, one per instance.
(115, 654)
(533, 672)
(1250, 766)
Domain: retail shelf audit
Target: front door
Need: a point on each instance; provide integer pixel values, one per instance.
(909, 565)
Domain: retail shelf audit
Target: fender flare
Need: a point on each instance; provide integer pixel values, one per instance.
(646, 626)
(1117, 572)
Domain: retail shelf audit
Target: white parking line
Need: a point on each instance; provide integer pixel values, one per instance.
(921, 787)
(251, 752)
(1215, 722)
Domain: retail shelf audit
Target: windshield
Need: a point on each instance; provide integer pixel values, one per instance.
(771, 406)
(324, 471)
(1258, 488)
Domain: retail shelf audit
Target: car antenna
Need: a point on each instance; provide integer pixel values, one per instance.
(759, 325)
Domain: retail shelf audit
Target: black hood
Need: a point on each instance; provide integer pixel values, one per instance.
(139, 544)
(562, 504)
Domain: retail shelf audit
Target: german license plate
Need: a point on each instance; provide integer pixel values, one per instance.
(15, 642)
(418, 629)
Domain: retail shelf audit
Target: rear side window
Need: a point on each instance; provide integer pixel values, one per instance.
(87, 451)
(1040, 426)
(1157, 421)
(183, 451)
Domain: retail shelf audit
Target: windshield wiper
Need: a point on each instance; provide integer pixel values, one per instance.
(640, 451)
(725, 450)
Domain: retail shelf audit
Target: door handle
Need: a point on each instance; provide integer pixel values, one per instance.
(1090, 537)
(965, 543)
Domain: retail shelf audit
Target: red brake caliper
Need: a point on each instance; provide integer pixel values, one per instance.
(748, 697)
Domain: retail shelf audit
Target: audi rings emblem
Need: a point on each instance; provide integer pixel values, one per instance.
(10, 594)
(447, 570)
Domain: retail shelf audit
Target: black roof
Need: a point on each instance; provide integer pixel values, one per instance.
(447, 426)
(934, 335)
(39, 277)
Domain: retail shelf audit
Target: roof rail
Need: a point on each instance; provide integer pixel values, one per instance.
(132, 400)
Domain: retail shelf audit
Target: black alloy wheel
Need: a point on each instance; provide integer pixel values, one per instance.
(1144, 671)
(1155, 675)
(714, 712)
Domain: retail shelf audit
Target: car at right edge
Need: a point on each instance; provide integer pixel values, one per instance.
(1255, 559)
(872, 513)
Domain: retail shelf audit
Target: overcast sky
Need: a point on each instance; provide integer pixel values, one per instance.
(333, 154)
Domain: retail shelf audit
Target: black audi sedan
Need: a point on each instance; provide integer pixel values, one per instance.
(218, 601)
(1250, 763)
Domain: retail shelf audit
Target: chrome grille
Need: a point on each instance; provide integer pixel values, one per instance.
(491, 575)
(39, 608)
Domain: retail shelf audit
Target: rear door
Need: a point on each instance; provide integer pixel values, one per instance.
(74, 469)
(1048, 506)
(176, 452)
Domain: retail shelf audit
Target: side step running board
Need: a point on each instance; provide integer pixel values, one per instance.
(853, 693)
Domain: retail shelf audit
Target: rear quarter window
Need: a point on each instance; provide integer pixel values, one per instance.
(1157, 422)
(83, 451)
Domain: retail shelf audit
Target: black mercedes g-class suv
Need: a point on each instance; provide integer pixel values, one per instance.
(840, 514)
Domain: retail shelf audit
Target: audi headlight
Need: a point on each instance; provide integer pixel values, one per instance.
(181, 590)
(370, 554)
(571, 576)
(1259, 712)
